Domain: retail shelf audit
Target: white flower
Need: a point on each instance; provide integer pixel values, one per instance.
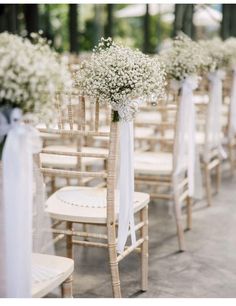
(184, 58)
(120, 75)
(30, 74)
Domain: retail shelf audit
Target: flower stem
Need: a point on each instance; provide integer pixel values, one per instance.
(115, 116)
(2, 146)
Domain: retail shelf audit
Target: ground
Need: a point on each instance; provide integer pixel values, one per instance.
(206, 270)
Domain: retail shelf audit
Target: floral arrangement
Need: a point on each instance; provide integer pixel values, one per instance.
(184, 58)
(121, 76)
(230, 48)
(218, 52)
(30, 73)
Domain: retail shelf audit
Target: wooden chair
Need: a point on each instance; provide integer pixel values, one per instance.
(92, 205)
(156, 168)
(54, 271)
(53, 142)
(213, 162)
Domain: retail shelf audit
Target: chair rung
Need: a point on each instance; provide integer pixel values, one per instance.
(91, 244)
(73, 132)
(184, 196)
(161, 196)
(213, 164)
(76, 154)
(79, 234)
(130, 249)
(71, 174)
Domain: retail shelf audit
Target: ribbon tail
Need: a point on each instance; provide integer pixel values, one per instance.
(17, 201)
(126, 186)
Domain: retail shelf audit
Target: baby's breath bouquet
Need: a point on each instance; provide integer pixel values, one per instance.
(30, 75)
(218, 52)
(121, 76)
(184, 58)
(230, 48)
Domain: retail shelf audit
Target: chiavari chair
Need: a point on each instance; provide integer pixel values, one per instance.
(93, 205)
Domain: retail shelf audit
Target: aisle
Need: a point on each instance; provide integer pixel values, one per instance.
(208, 269)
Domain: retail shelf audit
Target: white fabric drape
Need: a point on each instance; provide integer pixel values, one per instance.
(16, 212)
(232, 109)
(126, 185)
(185, 152)
(213, 120)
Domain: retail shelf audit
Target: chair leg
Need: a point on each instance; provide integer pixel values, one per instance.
(53, 184)
(189, 212)
(178, 218)
(144, 250)
(218, 177)
(231, 158)
(69, 243)
(66, 288)
(115, 277)
(208, 185)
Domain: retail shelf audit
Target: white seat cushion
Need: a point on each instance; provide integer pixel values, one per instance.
(86, 204)
(49, 272)
(69, 162)
(153, 163)
(141, 132)
(148, 117)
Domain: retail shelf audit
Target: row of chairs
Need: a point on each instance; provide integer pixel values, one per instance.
(79, 162)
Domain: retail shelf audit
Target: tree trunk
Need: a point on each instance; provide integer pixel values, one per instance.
(73, 28)
(184, 19)
(146, 29)
(232, 20)
(188, 20)
(109, 25)
(225, 24)
(31, 18)
(8, 18)
(97, 24)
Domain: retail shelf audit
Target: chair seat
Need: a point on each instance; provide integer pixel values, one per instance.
(200, 138)
(148, 118)
(141, 132)
(86, 204)
(153, 163)
(51, 270)
(69, 162)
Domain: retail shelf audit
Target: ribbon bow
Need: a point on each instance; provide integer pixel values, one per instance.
(21, 143)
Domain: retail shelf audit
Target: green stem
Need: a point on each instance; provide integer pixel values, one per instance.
(115, 116)
(2, 146)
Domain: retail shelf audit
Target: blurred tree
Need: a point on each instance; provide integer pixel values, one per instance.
(108, 30)
(31, 18)
(8, 18)
(184, 19)
(146, 31)
(225, 24)
(73, 28)
(228, 24)
(97, 24)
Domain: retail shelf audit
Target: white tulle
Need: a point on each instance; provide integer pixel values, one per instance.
(232, 111)
(126, 185)
(16, 206)
(185, 151)
(213, 120)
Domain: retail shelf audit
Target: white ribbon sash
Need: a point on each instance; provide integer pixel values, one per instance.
(232, 110)
(186, 155)
(21, 143)
(213, 124)
(126, 185)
